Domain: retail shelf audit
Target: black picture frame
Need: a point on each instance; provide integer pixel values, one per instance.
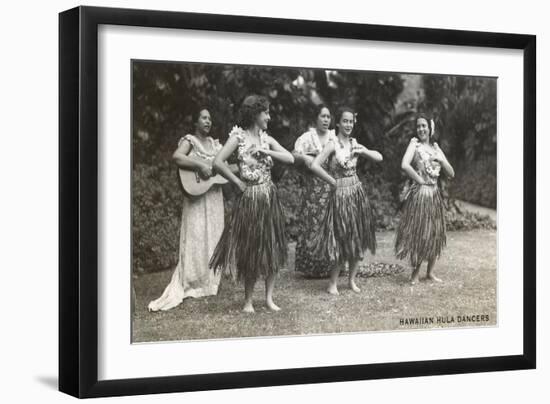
(78, 200)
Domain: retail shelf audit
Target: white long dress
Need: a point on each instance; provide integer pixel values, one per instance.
(202, 223)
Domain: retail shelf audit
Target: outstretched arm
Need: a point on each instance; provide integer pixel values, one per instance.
(277, 152)
(373, 155)
(302, 159)
(316, 165)
(221, 166)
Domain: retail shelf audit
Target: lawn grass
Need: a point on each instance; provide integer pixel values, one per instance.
(467, 266)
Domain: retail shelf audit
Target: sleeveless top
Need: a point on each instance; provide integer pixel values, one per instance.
(424, 164)
(341, 163)
(254, 167)
(197, 149)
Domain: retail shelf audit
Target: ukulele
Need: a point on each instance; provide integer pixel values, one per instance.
(193, 184)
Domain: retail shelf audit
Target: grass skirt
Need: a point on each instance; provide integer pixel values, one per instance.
(348, 227)
(421, 234)
(254, 241)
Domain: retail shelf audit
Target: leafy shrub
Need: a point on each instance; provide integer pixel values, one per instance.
(156, 217)
(468, 221)
(290, 188)
(477, 183)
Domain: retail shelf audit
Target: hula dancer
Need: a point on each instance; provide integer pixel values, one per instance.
(315, 195)
(421, 233)
(254, 240)
(348, 227)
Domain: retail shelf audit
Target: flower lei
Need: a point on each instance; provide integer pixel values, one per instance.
(236, 130)
(432, 167)
(348, 163)
(250, 162)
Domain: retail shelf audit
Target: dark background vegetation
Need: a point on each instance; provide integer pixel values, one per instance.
(165, 95)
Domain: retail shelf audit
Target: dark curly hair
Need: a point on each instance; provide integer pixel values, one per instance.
(319, 108)
(196, 113)
(251, 107)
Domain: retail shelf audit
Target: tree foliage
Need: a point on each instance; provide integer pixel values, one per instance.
(465, 110)
(165, 95)
(466, 113)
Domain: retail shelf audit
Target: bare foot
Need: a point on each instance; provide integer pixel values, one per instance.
(248, 308)
(333, 290)
(414, 276)
(433, 278)
(354, 287)
(272, 306)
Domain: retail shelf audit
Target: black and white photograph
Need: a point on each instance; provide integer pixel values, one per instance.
(273, 201)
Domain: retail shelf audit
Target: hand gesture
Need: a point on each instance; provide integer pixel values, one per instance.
(252, 149)
(241, 185)
(358, 149)
(308, 160)
(205, 171)
(258, 152)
